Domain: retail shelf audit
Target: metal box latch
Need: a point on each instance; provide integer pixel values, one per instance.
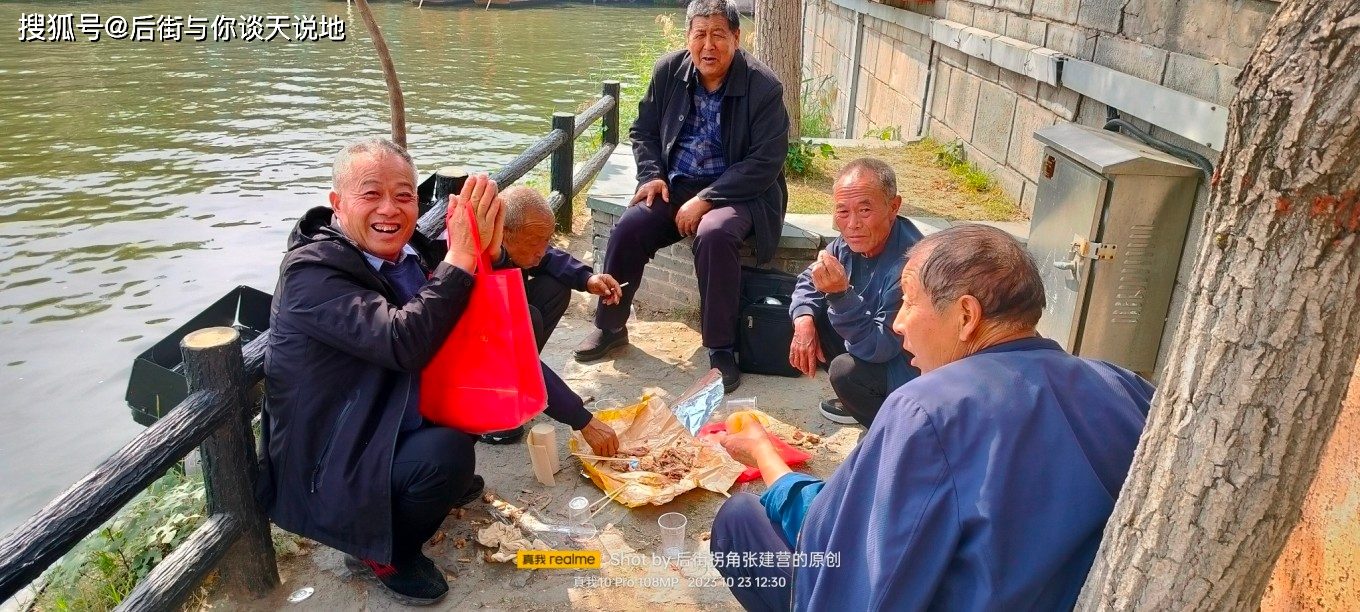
(1085, 249)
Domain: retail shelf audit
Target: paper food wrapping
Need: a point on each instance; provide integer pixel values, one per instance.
(651, 423)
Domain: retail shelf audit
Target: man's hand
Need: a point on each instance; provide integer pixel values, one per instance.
(688, 217)
(479, 195)
(601, 437)
(650, 190)
(806, 352)
(828, 275)
(606, 287)
(752, 446)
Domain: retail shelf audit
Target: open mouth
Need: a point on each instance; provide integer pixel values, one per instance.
(385, 228)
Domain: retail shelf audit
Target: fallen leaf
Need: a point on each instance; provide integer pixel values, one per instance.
(438, 538)
(460, 543)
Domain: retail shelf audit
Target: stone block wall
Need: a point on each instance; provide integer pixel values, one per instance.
(907, 85)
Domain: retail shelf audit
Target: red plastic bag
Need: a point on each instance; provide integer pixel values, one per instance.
(789, 454)
(486, 377)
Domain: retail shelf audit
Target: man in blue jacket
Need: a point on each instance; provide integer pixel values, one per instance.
(984, 484)
(845, 302)
(710, 141)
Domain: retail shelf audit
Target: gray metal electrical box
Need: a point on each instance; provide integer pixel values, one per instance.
(1107, 231)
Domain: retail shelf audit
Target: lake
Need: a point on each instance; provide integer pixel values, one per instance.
(145, 179)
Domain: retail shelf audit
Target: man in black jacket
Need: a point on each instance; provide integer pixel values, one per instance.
(360, 309)
(710, 142)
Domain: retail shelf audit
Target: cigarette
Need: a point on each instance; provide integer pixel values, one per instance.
(621, 286)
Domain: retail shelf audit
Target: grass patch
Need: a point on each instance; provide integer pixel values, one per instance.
(102, 570)
(928, 190)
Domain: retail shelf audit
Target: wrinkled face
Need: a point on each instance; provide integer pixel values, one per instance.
(931, 336)
(376, 204)
(864, 214)
(527, 244)
(712, 44)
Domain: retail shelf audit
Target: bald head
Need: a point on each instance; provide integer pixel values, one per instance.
(529, 225)
(525, 207)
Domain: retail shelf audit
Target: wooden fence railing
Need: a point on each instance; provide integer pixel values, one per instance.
(216, 418)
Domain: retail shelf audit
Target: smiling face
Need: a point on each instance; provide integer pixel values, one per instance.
(864, 213)
(375, 203)
(712, 44)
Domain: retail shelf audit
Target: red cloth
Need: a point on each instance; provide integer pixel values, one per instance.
(789, 454)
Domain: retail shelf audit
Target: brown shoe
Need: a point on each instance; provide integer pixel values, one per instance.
(598, 344)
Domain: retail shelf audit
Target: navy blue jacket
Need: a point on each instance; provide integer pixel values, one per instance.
(755, 138)
(342, 358)
(982, 485)
(864, 315)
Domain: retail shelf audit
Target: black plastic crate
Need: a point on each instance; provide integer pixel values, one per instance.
(157, 383)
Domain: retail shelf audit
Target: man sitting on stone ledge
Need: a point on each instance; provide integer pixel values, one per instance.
(845, 302)
(984, 484)
(710, 142)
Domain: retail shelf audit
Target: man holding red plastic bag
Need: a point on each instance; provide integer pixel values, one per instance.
(360, 310)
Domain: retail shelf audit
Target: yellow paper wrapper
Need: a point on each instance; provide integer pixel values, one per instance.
(651, 423)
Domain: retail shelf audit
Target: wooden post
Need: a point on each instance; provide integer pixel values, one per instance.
(212, 361)
(561, 168)
(611, 118)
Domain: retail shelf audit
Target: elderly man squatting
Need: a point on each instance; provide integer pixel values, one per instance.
(845, 302)
(983, 484)
(550, 274)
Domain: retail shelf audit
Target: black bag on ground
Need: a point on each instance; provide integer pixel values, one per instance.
(765, 330)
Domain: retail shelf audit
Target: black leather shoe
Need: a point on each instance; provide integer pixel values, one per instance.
(599, 343)
(415, 582)
(509, 436)
(726, 363)
(474, 491)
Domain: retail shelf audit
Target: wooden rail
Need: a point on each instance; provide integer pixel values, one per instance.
(215, 417)
(559, 144)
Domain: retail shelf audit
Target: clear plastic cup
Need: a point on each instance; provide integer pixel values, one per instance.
(672, 526)
(606, 404)
(578, 510)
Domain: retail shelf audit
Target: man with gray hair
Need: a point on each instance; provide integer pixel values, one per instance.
(359, 311)
(550, 274)
(845, 302)
(710, 141)
(984, 484)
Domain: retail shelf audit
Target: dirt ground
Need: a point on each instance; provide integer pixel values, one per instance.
(665, 357)
(927, 189)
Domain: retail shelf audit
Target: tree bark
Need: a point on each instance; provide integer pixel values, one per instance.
(1263, 352)
(779, 43)
(395, 101)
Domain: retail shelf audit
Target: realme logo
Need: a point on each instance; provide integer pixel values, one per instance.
(557, 559)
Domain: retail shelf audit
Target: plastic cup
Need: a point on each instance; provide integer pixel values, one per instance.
(578, 510)
(741, 403)
(606, 404)
(672, 526)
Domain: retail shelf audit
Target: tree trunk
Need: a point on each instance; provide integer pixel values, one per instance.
(779, 43)
(1262, 355)
(396, 103)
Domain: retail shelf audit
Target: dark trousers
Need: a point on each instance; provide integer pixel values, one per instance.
(431, 469)
(861, 386)
(548, 301)
(741, 526)
(642, 231)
